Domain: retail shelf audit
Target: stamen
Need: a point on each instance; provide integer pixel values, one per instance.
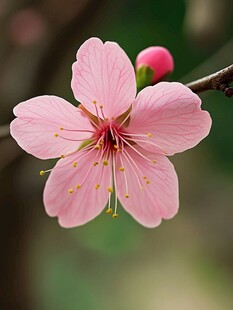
(85, 177)
(75, 164)
(109, 211)
(70, 191)
(112, 133)
(135, 172)
(42, 172)
(76, 130)
(125, 177)
(139, 153)
(62, 156)
(97, 112)
(102, 112)
(78, 186)
(110, 190)
(67, 139)
(97, 186)
(105, 162)
(149, 134)
(95, 164)
(115, 215)
(145, 141)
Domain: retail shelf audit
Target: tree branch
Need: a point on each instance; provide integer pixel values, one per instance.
(217, 81)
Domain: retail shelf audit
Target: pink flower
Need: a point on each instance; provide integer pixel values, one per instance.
(112, 144)
(159, 59)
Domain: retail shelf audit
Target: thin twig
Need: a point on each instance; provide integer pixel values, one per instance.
(217, 81)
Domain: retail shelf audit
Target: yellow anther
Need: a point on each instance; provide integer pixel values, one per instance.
(97, 147)
(109, 211)
(119, 150)
(42, 172)
(115, 215)
(56, 135)
(75, 164)
(97, 186)
(113, 118)
(78, 186)
(147, 182)
(110, 190)
(105, 162)
(144, 177)
(115, 146)
(149, 134)
(94, 101)
(61, 128)
(70, 191)
(95, 163)
(154, 161)
(126, 195)
(122, 169)
(101, 106)
(101, 142)
(62, 156)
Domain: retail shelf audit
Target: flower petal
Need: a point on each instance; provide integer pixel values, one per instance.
(103, 73)
(37, 128)
(152, 187)
(85, 203)
(171, 113)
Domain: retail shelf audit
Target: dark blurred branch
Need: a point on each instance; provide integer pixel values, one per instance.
(61, 44)
(15, 283)
(4, 131)
(217, 81)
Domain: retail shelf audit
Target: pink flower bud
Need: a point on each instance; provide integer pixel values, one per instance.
(158, 58)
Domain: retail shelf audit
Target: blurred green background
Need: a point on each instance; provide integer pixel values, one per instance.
(187, 262)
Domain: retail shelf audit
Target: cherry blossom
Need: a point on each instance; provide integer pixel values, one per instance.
(114, 145)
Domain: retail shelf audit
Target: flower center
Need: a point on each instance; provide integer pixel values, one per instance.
(110, 145)
(108, 139)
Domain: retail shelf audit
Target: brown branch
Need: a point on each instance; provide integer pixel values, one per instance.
(217, 81)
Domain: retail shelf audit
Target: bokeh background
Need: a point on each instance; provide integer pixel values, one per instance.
(186, 263)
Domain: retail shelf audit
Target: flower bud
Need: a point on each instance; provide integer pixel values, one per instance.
(159, 59)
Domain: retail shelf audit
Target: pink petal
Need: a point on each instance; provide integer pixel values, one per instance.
(85, 203)
(40, 118)
(158, 199)
(171, 112)
(103, 73)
